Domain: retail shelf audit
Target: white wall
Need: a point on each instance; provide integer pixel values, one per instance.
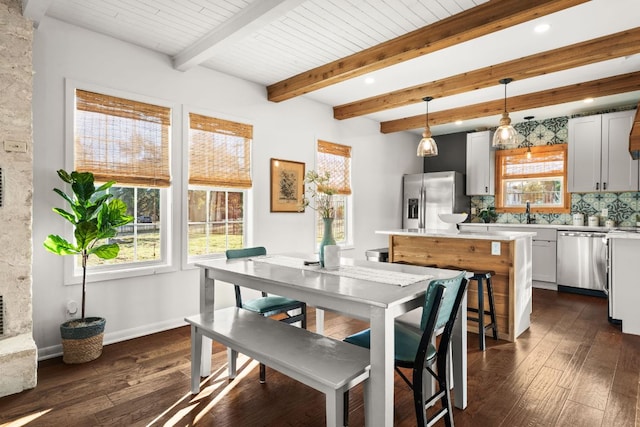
(287, 130)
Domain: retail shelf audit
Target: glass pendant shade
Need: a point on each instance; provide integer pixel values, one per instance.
(427, 146)
(505, 135)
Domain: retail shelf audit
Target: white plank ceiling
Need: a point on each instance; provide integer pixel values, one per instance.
(266, 41)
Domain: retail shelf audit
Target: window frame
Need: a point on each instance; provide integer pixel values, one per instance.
(349, 243)
(72, 274)
(499, 194)
(189, 262)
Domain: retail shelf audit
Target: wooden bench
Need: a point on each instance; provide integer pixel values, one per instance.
(326, 364)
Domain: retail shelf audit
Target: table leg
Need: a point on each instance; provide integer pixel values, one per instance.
(319, 321)
(379, 394)
(207, 304)
(459, 356)
(196, 352)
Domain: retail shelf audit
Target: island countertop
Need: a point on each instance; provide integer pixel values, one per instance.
(501, 235)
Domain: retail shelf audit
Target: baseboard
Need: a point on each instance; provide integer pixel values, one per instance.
(45, 353)
(544, 285)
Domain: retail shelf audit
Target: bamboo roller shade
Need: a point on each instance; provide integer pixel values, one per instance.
(219, 152)
(122, 140)
(548, 162)
(336, 160)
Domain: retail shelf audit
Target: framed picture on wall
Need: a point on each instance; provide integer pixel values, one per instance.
(287, 185)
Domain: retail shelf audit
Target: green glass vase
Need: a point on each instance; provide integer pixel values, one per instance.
(327, 237)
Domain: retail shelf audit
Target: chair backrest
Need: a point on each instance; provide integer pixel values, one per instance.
(445, 317)
(245, 252)
(452, 287)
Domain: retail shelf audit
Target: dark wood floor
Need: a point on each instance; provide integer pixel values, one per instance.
(570, 368)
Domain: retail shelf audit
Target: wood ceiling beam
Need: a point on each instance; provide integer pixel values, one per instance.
(604, 48)
(244, 23)
(481, 20)
(596, 88)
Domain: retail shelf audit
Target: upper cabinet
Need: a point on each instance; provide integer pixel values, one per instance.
(481, 163)
(599, 158)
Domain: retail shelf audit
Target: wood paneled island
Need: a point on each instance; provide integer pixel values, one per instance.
(508, 254)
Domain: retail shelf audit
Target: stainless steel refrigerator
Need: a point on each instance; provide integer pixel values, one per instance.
(428, 194)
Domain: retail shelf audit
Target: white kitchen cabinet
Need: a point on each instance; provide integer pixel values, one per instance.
(599, 158)
(543, 252)
(481, 163)
(624, 290)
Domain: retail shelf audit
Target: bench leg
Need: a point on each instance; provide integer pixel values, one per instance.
(232, 358)
(196, 358)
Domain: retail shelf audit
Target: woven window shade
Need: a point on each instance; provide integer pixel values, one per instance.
(122, 140)
(219, 152)
(551, 161)
(335, 159)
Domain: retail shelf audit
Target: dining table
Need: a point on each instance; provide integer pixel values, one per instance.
(376, 292)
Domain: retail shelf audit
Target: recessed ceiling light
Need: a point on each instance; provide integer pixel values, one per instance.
(369, 80)
(588, 100)
(458, 122)
(542, 28)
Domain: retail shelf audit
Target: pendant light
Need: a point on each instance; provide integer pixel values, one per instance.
(427, 146)
(528, 119)
(505, 134)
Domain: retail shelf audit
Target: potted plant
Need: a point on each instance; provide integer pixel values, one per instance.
(319, 196)
(95, 216)
(488, 215)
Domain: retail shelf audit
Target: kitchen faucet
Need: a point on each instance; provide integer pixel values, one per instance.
(530, 220)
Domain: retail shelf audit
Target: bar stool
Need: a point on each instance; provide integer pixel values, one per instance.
(479, 277)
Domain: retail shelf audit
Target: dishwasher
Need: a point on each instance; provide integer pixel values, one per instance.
(582, 262)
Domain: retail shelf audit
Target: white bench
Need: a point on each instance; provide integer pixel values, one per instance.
(324, 363)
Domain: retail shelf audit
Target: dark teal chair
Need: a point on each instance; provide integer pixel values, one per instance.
(267, 305)
(415, 349)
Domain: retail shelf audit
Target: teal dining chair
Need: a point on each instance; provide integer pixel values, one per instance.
(267, 305)
(415, 348)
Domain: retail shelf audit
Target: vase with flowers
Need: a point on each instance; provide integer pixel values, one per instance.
(319, 196)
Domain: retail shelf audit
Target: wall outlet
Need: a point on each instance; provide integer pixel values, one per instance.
(473, 211)
(495, 248)
(605, 212)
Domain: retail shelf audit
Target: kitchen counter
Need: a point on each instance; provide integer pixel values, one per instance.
(506, 253)
(489, 235)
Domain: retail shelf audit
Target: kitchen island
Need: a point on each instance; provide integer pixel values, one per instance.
(507, 253)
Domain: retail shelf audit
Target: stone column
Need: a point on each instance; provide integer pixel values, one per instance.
(18, 355)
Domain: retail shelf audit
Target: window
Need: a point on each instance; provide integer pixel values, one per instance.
(127, 141)
(539, 178)
(219, 175)
(336, 159)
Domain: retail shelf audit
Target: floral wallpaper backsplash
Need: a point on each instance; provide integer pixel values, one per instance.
(623, 208)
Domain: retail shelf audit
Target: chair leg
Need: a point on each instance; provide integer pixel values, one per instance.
(304, 316)
(263, 374)
(492, 308)
(345, 415)
(446, 398)
(481, 314)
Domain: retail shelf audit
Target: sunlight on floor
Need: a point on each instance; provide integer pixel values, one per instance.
(27, 419)
(218, 381)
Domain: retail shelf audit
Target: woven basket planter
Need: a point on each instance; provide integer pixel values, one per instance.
(82, 339)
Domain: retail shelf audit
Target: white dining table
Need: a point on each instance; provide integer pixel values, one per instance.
(375, 301)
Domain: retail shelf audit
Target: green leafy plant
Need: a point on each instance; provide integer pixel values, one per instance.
(319, 194)
(488, 215)
(95, 216)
